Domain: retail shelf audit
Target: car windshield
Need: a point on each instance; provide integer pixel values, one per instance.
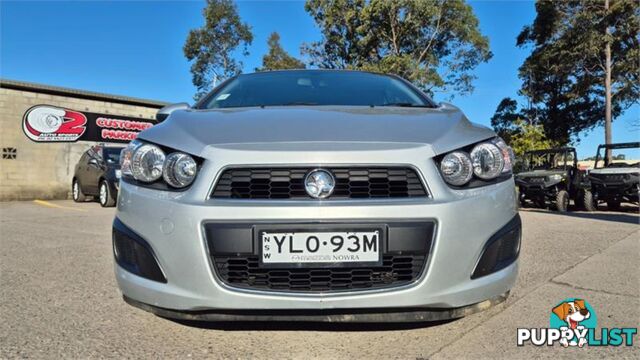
(290, 88)
(112, 155)
(624, 157)
(548, 160)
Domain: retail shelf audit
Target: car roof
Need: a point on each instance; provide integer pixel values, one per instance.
(627, 145)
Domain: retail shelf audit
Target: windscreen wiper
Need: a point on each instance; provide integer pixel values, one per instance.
(299, 103)
(295, 103)
(403, 104)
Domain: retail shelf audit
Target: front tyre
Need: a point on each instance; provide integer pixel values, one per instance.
(588, 201)
(76, 192)
(105, 195)
(562, 200)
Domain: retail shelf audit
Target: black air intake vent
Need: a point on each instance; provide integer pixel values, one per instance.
(288, 183)
(134, 254)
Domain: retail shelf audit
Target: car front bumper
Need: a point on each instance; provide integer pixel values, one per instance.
(172, 224)
(365, 315)
(619, 190)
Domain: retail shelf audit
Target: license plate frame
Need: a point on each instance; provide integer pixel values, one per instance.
(320, 228)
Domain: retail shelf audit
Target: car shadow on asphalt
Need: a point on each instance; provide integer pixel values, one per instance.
(307, 326)
(627, 215)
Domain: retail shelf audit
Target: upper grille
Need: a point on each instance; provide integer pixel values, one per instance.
(612, 177)
(288, 183)
(534, 179)
(245, 272)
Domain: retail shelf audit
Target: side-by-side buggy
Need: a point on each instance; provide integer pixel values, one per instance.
(549, 176)
(613, 179)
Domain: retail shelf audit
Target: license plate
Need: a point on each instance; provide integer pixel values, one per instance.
(340, 248)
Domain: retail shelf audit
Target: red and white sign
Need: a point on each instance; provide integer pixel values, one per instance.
(117, 129)
(46, 123)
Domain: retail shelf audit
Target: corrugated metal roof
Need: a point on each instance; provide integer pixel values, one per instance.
(81, 94)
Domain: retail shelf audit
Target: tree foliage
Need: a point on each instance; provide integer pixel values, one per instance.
(529, 137)
(211, 48)
(277, 58)
(564, 76)
(511, 124)
(435, 44)
(504, 120)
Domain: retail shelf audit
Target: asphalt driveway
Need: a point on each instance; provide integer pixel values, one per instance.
(59, 299)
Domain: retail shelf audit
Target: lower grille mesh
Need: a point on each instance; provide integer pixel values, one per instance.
(245, 272)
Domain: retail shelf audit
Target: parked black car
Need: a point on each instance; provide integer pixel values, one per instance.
(550, 175)
(612, 181)
(97, 175)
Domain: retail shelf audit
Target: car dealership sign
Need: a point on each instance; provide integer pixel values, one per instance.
(47, 123)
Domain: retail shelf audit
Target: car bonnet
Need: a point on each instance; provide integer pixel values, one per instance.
(444, 128)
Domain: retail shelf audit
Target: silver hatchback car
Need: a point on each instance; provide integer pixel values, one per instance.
(316, 195)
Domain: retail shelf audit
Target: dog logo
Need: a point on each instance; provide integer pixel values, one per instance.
(46, 123)
(573, 322)
(573, 313)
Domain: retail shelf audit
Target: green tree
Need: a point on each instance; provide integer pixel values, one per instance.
(583, 68)
(504, 120)
(518, 129)
(435, 44)
(211, 48)
(528, 137)
(277, 58)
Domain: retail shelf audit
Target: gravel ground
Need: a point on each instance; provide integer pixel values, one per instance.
(59, 299)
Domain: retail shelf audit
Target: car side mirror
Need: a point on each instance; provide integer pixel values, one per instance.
(164, 113)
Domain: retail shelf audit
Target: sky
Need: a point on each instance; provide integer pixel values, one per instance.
(135, 49)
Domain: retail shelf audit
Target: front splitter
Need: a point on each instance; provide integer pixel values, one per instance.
(330, 315)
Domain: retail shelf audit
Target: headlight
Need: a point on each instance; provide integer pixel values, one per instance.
(456, 168)
(146, 163)
(487, 161)
(125, 158)
(554, 177)
(179, 169)
(507, 154)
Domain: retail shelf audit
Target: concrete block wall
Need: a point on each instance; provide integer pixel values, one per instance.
(45, 170)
